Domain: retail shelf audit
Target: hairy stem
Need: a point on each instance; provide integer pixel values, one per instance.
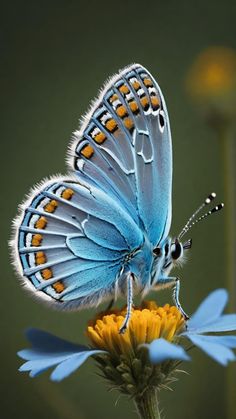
(147, 405)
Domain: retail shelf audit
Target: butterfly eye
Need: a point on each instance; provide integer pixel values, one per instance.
(176, 250)
(161, 120)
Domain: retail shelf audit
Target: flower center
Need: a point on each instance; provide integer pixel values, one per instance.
(147, 323)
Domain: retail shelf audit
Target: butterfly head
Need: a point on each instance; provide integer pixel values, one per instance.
(172, 253)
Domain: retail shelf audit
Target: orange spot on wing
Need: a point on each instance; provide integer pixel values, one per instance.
(67, 193)
(133, 106)
(41, 223)
(87, 151)
(144, 101)
(40, 258)
(100, 137)
(111, 125)
(136, 85)
(128, 123)
(37, 239)
(121, 111)
(113, 98)
(51, 206)
(58, 286)
(155, 101)
(124, 89)
(148, 82)
(46, 273)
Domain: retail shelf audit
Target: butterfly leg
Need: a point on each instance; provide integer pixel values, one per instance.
(176, 281)
(176, 298)
(124, 326)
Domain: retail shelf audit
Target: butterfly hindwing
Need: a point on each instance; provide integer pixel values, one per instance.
(72, 239)
(124, 147)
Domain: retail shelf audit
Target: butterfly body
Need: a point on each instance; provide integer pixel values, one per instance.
(102, 230)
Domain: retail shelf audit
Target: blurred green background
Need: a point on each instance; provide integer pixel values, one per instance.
(54, 57)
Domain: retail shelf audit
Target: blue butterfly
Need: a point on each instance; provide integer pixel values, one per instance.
(102, 230)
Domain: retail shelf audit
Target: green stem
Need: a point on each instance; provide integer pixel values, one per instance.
(228, 144)
(147, 405)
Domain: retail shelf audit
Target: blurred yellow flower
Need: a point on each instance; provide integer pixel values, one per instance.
(211, 80)
(213, 72)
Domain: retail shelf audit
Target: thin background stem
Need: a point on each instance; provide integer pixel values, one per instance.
(228, 144)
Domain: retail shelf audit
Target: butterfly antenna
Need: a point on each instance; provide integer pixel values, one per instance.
(215, 209)
(190, 223)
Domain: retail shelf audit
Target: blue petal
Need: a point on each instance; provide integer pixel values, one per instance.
(66, 364)
(161, 350)
(215, 348)
(35, 354)
(227, 340)
(225, 323)
(46, 342)
(71, 364)
(48, 351)
(210, 309)
(41, 364)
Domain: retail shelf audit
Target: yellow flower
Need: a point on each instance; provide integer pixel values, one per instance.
(147, 323)
(126, 363)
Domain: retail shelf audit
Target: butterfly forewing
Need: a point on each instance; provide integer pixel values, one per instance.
(125, 148)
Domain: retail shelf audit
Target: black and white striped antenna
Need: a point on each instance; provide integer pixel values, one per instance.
(192, 220)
